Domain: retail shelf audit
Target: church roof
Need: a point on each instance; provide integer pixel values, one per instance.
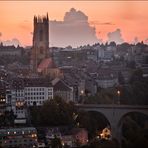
(60, 85)
(46, 63)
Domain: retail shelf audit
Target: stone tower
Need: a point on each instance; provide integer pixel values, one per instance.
(40, 49)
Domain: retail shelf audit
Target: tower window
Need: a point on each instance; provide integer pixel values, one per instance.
(41, 35)
(41, 50)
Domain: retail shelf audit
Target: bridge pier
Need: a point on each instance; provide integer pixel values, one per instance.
(116, 128)
(117, 134)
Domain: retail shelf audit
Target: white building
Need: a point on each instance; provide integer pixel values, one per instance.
(29, 92)
(37, 95)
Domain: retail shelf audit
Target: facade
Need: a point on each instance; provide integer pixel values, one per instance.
(80, 136)
(28, 92)
(18, 102)
(70, 137)
(18, 137)
(40, 49)
(99, 53)
(2, 98)
(10, 51)
(37, 95)
(106, 78)
(41, 60)
(62, 90)
(35, 91)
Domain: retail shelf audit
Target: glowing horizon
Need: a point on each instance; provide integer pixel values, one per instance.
(106, 16)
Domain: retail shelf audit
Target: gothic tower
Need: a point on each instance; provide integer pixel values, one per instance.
(40, 49)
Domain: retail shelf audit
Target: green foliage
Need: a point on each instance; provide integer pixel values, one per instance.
(134, 131)
(54, 112)
(104, 144)
(103, 96)
(56, 143)
(134, 93)
(7, 119)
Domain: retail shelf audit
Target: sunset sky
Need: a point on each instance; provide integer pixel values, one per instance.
(131, 17)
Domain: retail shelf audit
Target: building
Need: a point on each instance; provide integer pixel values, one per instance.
(11, 50)
(62, 90)
(41, 59)
(28, 92)
(18, 102)
(106, 78)
(18, 137)
(48, 67)
(2, 97)
(71, 137)
(37, 91)
(80, 136)
(40, 49)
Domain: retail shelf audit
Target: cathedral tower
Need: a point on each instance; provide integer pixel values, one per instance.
(40, 49)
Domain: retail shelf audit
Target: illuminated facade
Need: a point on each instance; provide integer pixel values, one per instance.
(18, 137)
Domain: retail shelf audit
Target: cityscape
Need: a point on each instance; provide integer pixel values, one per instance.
(64, 84)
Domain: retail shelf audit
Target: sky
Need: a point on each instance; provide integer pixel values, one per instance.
(75, 22)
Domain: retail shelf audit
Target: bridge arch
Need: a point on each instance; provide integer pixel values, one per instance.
(123, 121)
(100, 115)
(97, 121)
(129, 113)
(114, 113)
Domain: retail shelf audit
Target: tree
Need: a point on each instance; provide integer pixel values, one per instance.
(137, 75)
(56, 142)
(121, 78)
(54, 112)
(7, 119)
(134, 132)
(112, 44)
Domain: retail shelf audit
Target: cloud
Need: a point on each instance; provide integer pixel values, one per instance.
(107, 23)
(146, 40)
(75, 16)
(25, 25)
(100, 23)
(14, 42)
(115, 36)
(74, 30)
(135, 41)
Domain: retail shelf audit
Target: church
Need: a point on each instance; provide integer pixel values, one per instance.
(41, 58)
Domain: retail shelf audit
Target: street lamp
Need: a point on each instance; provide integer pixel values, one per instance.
(118, 93)
(82, 96)
(82, 92)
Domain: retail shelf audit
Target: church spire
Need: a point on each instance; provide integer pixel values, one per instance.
(47, 17)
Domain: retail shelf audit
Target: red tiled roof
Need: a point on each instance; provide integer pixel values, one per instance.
(45, 64)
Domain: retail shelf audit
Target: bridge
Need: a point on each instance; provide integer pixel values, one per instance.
(114, 114)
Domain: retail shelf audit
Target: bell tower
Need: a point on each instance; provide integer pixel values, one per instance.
(40, 49)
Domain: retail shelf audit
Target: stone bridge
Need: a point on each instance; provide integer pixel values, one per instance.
(114, 114)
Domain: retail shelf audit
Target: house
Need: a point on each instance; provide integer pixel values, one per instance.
(28, 92)
(2, 97)
(11, 50)
(71, 137)
(37, 91)
(62, 90)
(18, 137)
(80, 136)
(106, 78)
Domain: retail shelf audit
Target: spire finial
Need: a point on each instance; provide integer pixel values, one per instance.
(47, 16)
